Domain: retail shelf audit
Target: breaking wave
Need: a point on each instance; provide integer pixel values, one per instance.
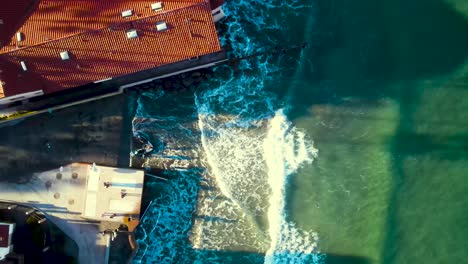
(233, 210)
(285, 150)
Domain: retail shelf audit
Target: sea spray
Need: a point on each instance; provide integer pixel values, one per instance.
(285, 149)
(251, 151)
(233, 158)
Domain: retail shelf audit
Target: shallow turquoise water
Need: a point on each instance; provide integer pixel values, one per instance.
(381, 90)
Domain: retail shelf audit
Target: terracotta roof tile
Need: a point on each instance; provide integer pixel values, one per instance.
(53, 19)
(2, 94)
(106, 51)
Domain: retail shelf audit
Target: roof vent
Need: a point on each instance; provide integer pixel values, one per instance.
(127, 13)
(132, 33)
(65, 55)
(161, 25)
(156, 6)
(19, 36)
(23, 65)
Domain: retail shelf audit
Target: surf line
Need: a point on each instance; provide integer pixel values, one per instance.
(285, 150)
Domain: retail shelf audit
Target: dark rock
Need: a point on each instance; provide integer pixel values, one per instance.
(187, 82)
(198, 79)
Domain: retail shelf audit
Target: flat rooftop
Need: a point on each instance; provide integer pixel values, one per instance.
(75, 198)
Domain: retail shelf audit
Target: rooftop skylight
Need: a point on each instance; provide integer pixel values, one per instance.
(132, 33)
(65, 55)
(23, 65)
(156, 6)
(19, 36)
(161, 26)
(127, 13)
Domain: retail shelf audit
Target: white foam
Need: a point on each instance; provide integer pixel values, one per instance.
(232, 119)
(240, 134)
(285, 151)
(238, 155)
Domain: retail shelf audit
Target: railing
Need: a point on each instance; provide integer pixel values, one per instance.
(26, 209)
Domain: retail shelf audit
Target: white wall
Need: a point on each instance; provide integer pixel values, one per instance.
(18, 97)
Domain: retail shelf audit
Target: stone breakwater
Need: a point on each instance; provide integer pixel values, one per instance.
(177, 83)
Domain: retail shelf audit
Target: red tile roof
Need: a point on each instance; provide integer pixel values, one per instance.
(12, 15)
(53, 19)
(2, 94)
(94, 34)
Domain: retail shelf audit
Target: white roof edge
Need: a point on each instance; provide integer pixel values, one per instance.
(10, 99)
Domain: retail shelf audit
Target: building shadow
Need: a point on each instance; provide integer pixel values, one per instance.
(234, 257)
(371, 50)
(38, 241)
(344, 259)
(362, 49)
(11, 19)
(215, 219)
(94, 132)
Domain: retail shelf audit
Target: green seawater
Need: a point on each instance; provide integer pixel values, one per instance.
(382, 89)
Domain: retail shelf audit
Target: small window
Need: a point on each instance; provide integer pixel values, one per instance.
(65, 55)
(127, 13)
(161, 26)
(132, 33)
(156, 6)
